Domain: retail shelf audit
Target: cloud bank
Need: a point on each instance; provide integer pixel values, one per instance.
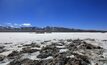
(26, 24)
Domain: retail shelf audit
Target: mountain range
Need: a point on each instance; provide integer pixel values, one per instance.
(47, 29)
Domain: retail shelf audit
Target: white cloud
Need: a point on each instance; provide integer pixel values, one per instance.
(26, 24)
(18, 25)
(9, 24)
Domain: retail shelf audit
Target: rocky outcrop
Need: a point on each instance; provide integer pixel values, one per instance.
(79, 52)
(48, 51)
(59, 59)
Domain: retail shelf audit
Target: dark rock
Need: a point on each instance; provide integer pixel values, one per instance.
(44, 55)
(13, 55)
(80, 44)
(32, 45)
(2, 57)
(47, 41)
(7, 43)
(28, 50)
(25, 62)
(78, 41)
(62, 42)
(69, 40)
(74, 44)
(2, 49)
(81, 57)
(29, 62)
(104, 40)
(96, 64)
(61, 59)
(19, 46)
(85, 45)
(52, 49)
(48, 51)
(56, 44)
(15, 62)
(90, 39)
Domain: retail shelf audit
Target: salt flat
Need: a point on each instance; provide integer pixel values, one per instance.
(27, 37)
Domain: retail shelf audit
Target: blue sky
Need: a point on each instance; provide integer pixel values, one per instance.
(84, 14)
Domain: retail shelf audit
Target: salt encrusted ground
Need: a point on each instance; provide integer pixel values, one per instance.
(16, 41)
